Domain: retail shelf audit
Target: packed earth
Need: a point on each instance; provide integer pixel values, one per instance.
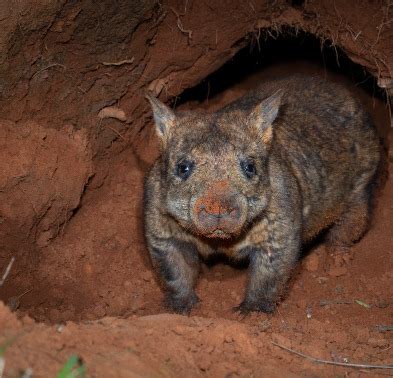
(76, 140)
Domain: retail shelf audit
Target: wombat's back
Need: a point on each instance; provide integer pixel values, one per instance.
(326, 139)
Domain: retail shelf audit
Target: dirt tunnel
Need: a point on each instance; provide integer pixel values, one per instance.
(77, 140)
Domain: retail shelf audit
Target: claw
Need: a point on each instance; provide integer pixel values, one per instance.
(181, 305)
(262, 306)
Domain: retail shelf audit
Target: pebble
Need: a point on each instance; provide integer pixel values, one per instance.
(147, 276)
(179, 330)
(322, 280)
(338, 271)
(311, 263)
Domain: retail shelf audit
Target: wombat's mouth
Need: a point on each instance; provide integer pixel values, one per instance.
(219, 234)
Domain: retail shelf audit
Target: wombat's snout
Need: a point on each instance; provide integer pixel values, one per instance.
(218, 212)
(212, 212)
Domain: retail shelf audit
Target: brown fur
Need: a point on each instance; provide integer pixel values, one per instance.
(255, 180)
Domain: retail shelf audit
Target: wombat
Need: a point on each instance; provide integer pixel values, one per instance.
(255, 180)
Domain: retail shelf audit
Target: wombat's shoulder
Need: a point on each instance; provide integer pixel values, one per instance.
(311, 104)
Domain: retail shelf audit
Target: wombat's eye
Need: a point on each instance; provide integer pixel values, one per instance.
(184, 169)
(248, 168)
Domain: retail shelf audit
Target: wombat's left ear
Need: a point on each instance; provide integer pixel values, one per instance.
(264, 114)
(164, 117)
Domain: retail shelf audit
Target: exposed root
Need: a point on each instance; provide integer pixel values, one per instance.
(327, 362)
(112, 112)
(120, 63)
(179, 23)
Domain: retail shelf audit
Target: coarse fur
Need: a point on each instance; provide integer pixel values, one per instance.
(255, 180)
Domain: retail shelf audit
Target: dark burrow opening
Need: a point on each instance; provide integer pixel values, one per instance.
(276, 53)
(292, 51)
(93, 279)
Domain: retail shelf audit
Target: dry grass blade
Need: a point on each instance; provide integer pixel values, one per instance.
(7, 271)
(47, 68)
(327, 362)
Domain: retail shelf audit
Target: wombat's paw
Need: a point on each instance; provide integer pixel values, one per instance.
(181, 305)
(261, 306)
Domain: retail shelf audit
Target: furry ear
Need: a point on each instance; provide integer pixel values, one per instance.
(164, 117)
(264, 114)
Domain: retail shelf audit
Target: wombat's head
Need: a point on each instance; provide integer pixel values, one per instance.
(213, 167)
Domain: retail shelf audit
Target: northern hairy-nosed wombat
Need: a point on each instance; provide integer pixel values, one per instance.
(255, 180)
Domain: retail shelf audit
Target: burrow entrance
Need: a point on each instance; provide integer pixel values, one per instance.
(96, 263)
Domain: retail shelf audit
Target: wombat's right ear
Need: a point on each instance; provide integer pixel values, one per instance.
(164, 117)
(264, 114)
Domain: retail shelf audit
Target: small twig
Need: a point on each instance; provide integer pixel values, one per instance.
(47, 68)
(388, 105)
(7, 271)
(383, 23)
(14, 302)
(327, 362)
(116, 132)
(361, 303)
(354, 36)
(122, 62)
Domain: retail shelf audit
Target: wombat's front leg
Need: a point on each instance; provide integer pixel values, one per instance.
(270, 264)
(177, 263)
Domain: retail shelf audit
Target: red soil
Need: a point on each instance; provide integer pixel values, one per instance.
(71, 195)
(99, 267)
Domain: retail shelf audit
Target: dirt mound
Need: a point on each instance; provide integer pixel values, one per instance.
(171, 345)
(42, 181)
